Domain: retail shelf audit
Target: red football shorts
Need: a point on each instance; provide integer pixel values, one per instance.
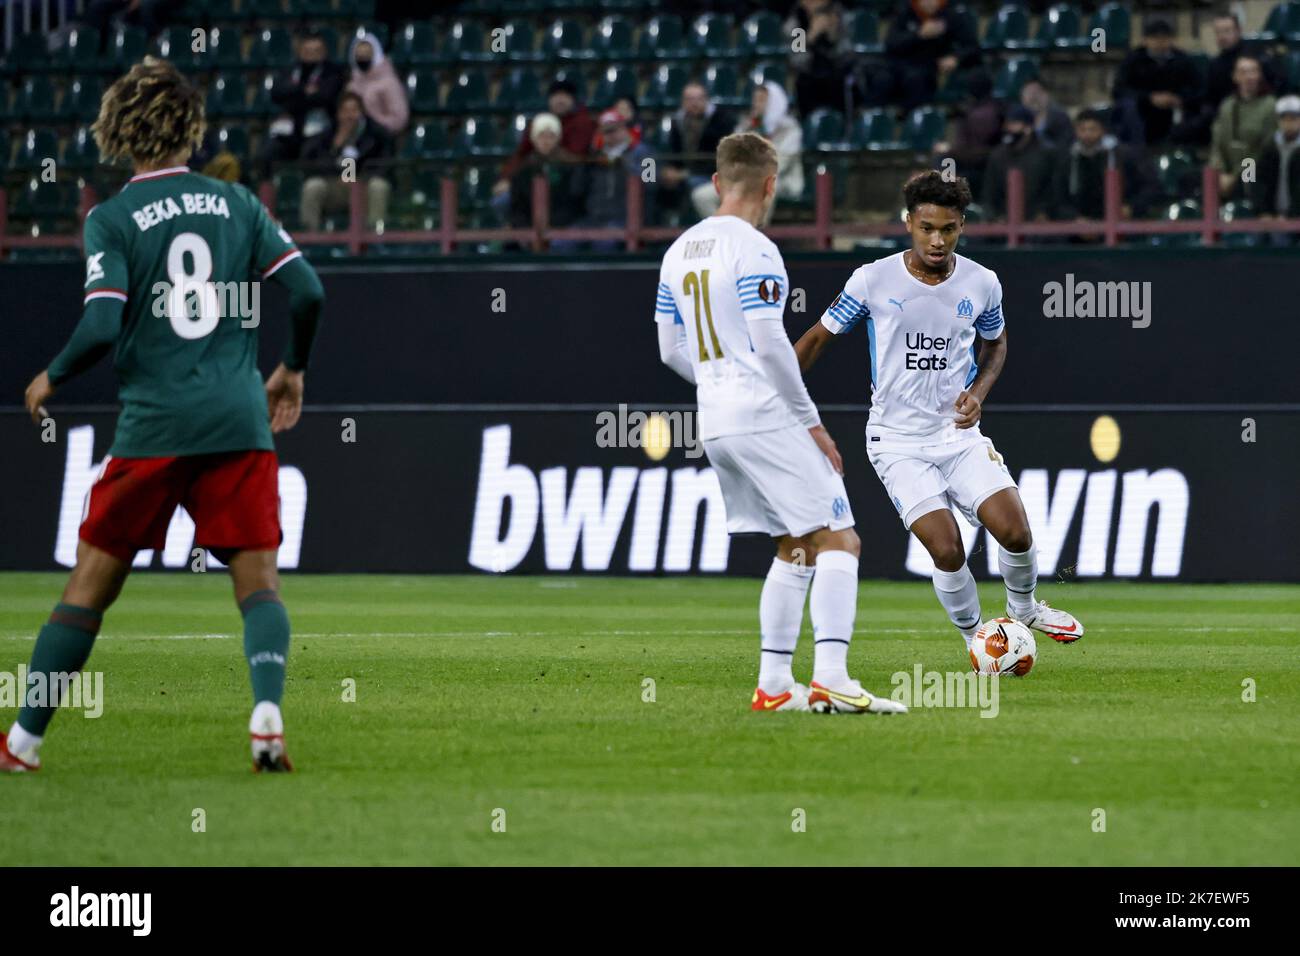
(233, 497)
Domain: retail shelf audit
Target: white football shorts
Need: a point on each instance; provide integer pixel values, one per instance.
(924, 478)
(778, 483)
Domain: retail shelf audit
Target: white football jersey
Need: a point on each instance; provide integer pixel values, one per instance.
(921, 339)
(717, 275)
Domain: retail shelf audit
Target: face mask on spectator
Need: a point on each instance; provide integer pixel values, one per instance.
(363, 65)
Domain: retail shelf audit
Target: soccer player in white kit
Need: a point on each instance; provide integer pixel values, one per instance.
(923, 310)
(722, 294)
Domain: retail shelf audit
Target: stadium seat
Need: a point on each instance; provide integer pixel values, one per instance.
(30, 54)
(1008, 29)
(520, 90)
(5, 148)
(422, 91)
(36, 147)
(769, 71)
(49, 201)
(127, 45)
(761, 35)
(475, 194)
(176, 45)
(1012, 75)
(613, 39)
(664, 91)
(1282, 25)
(8, 109)
(1113, 19)
(81, 99)
(864, 33)
(80, 53)
(264, 105)
(711, 35)
(615, 82)
(480, 138)
(468, 93)
(427, 141)
(465, 41)
(225, 49)
(521, 42)
(415, 45)
(226, 98)
(873, 129)
(1181, 211)
(272, 49)
(35, 99)
(1177, 172)
(923, 127)
(234, 139)
(288, 196)
(723, 84)
(81, 154)
(566, 40)
(265, 9)
(662, 38)
(1061, 28)
(824, 131)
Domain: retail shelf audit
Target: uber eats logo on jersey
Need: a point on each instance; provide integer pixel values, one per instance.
(926, 343)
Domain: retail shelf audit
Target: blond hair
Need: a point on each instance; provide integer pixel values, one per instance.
(149, 115)
(746, 160)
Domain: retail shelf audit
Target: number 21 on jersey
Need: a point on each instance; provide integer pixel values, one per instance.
(697, 287)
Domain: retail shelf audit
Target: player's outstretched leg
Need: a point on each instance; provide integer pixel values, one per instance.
(780, 615)
(834, 606)
(954, 585)
(266, 645)
(1004, 515)
(62, 649)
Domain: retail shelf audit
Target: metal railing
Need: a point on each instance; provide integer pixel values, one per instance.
(820, 233)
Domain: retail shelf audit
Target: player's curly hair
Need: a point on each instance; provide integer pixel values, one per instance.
(149, 115)
(930, 187)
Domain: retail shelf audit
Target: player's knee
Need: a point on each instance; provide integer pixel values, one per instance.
(948, 555)
(850, 542)
(1017, 541)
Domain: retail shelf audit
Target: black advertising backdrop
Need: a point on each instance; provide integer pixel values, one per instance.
(1223, 330)
(1185, 498)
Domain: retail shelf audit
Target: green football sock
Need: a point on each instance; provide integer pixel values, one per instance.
(266, 644)
(62, 647)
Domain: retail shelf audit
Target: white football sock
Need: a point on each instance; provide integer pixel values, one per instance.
(1020, 572)
(780, 615)
(957, 593)
(20, 742)
(833, 606)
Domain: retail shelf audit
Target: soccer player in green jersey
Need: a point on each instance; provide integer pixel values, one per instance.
(196, 421)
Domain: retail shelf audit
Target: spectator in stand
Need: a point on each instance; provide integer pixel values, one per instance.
(977, 131)
(373, 79)
(627, 108)
(1195, 129)
(354, 143)
(1155, 85)
(1079, 177)
(1020, 149)
(149, 15)
(1051, 123)
(822, 63)
(576, 132)
(603, 180)
(769, 116)
(1277, 188)
(1243, 127)
(925, 48)
(308, 95)
(543, 160)
(693, 138)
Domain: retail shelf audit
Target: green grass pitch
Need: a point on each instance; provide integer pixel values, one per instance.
(526, 695)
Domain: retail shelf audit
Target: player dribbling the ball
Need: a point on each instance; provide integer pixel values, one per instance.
(196, 422)
(722, 295)
(924, 309)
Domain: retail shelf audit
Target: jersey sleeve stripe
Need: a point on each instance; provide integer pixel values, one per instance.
(285, 257)
(118, 294)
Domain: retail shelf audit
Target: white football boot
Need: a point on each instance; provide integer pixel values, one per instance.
(266, 734)
(851, 698)
(1059, 625)
(794, 698)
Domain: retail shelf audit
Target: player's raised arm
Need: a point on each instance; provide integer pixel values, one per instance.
(848, 309)
(672, 334)
(992, 356)
(279, 259)
(101, 318)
